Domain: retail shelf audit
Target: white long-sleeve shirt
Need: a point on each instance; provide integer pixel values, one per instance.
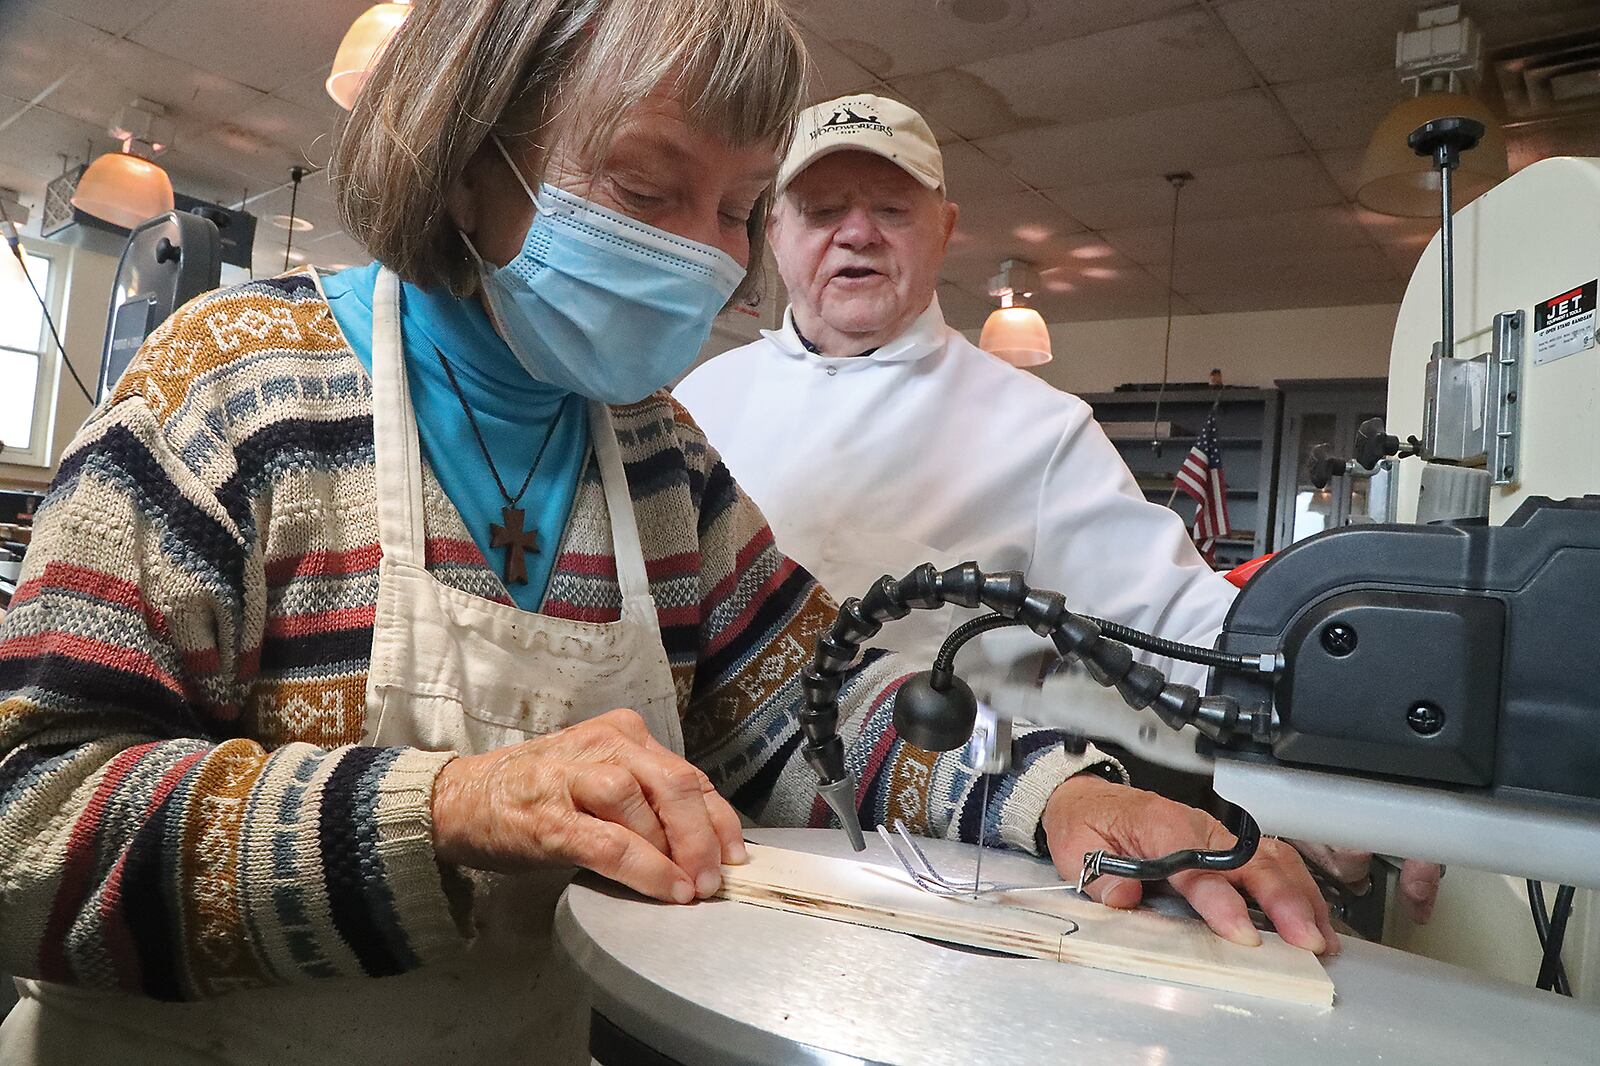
(930, 449)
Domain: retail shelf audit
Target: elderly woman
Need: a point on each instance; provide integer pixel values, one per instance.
(311, 692)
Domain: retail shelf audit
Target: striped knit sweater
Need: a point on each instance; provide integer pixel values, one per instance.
(185, 808)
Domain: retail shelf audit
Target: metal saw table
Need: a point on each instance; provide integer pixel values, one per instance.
(721, 983)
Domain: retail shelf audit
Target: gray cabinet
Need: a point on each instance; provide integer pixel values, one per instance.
(1322, 412)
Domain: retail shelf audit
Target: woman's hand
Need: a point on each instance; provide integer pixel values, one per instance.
(603, 795)
(1087, 813)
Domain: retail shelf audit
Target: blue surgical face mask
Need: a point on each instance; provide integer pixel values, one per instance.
(601, 304)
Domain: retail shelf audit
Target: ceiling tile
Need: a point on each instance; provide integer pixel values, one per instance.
(195, 99)
(971, 176)
(200, 174)
(1344, 294)
(1085, 79)
(1573, 135)
(1302, 40)
(967, 104)
(325, 245)
(941, 132)
(1278, 268)
(1207, 133)
(1089, 306)
(272, 135)
(1308, 232)
(338, 252)
(31, 147)
(1021, 225)
(38, 46)
(963, 309)
(116, 17)
(1390, 229)
(310, 92)
(1342, 112)
(1100, 270)
(1277, 184)
(1400, 240)
(832, 72)
(1403, 258)
(969, 269)
(1345, 167)
(237, 35)
(879, 35)
(314, 201)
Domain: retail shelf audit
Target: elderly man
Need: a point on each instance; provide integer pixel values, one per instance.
(874, 437)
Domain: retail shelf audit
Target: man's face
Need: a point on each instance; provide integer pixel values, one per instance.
(859, 243)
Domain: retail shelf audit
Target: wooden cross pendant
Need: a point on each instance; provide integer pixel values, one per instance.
(517, 540)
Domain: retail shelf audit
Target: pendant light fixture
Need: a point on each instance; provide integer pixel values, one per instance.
(359, 51)
(124, 187)
(1439, 61)
(1014, 331)
(1177, 179)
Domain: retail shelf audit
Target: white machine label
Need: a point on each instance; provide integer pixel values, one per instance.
(1564, 324)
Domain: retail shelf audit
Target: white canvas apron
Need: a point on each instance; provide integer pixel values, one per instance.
(450, 671)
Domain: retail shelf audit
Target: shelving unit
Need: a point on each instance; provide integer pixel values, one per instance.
(1248, 433)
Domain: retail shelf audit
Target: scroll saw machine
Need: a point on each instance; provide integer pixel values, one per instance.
(1424, 685)
(1420, 686)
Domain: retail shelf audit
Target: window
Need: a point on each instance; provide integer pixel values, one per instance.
(28, 360)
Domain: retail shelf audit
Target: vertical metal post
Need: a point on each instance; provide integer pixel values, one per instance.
(1447, 265)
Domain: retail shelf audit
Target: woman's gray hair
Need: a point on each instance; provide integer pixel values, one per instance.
(542, 70)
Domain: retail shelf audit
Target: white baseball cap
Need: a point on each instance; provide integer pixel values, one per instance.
(865, 123)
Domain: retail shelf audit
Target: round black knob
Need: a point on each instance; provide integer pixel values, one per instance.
(1339, 639)
(1445, 139)
(1425, 718)
(1373, 445)
(1325, 466)
(167, 252)
(934, 720)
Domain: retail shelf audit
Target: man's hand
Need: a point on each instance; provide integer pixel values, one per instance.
(1418, 886)
(1087, 813)
(603, 795)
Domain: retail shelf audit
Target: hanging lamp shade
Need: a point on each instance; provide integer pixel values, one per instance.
(123, 189)
(358, 52)
(1394, 180)
(1018, 335)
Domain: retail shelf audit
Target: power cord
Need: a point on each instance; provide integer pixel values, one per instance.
(1552, 929)
(15, 243)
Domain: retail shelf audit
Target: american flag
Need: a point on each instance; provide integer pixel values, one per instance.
(1200, 476)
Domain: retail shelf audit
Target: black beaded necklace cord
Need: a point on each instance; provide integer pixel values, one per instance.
(805, 343)
(513, 535)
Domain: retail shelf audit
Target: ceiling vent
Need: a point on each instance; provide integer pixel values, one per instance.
(1553, 78)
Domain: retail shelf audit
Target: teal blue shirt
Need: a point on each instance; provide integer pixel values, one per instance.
(512, 409)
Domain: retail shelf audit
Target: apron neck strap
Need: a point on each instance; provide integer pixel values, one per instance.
(394, 432)
(631, 573)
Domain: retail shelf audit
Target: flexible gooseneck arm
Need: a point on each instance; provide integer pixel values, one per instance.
(935, 709)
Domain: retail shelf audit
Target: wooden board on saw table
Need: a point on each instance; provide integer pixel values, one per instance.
(1037, 924)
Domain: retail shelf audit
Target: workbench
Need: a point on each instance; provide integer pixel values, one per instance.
(719, 983)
